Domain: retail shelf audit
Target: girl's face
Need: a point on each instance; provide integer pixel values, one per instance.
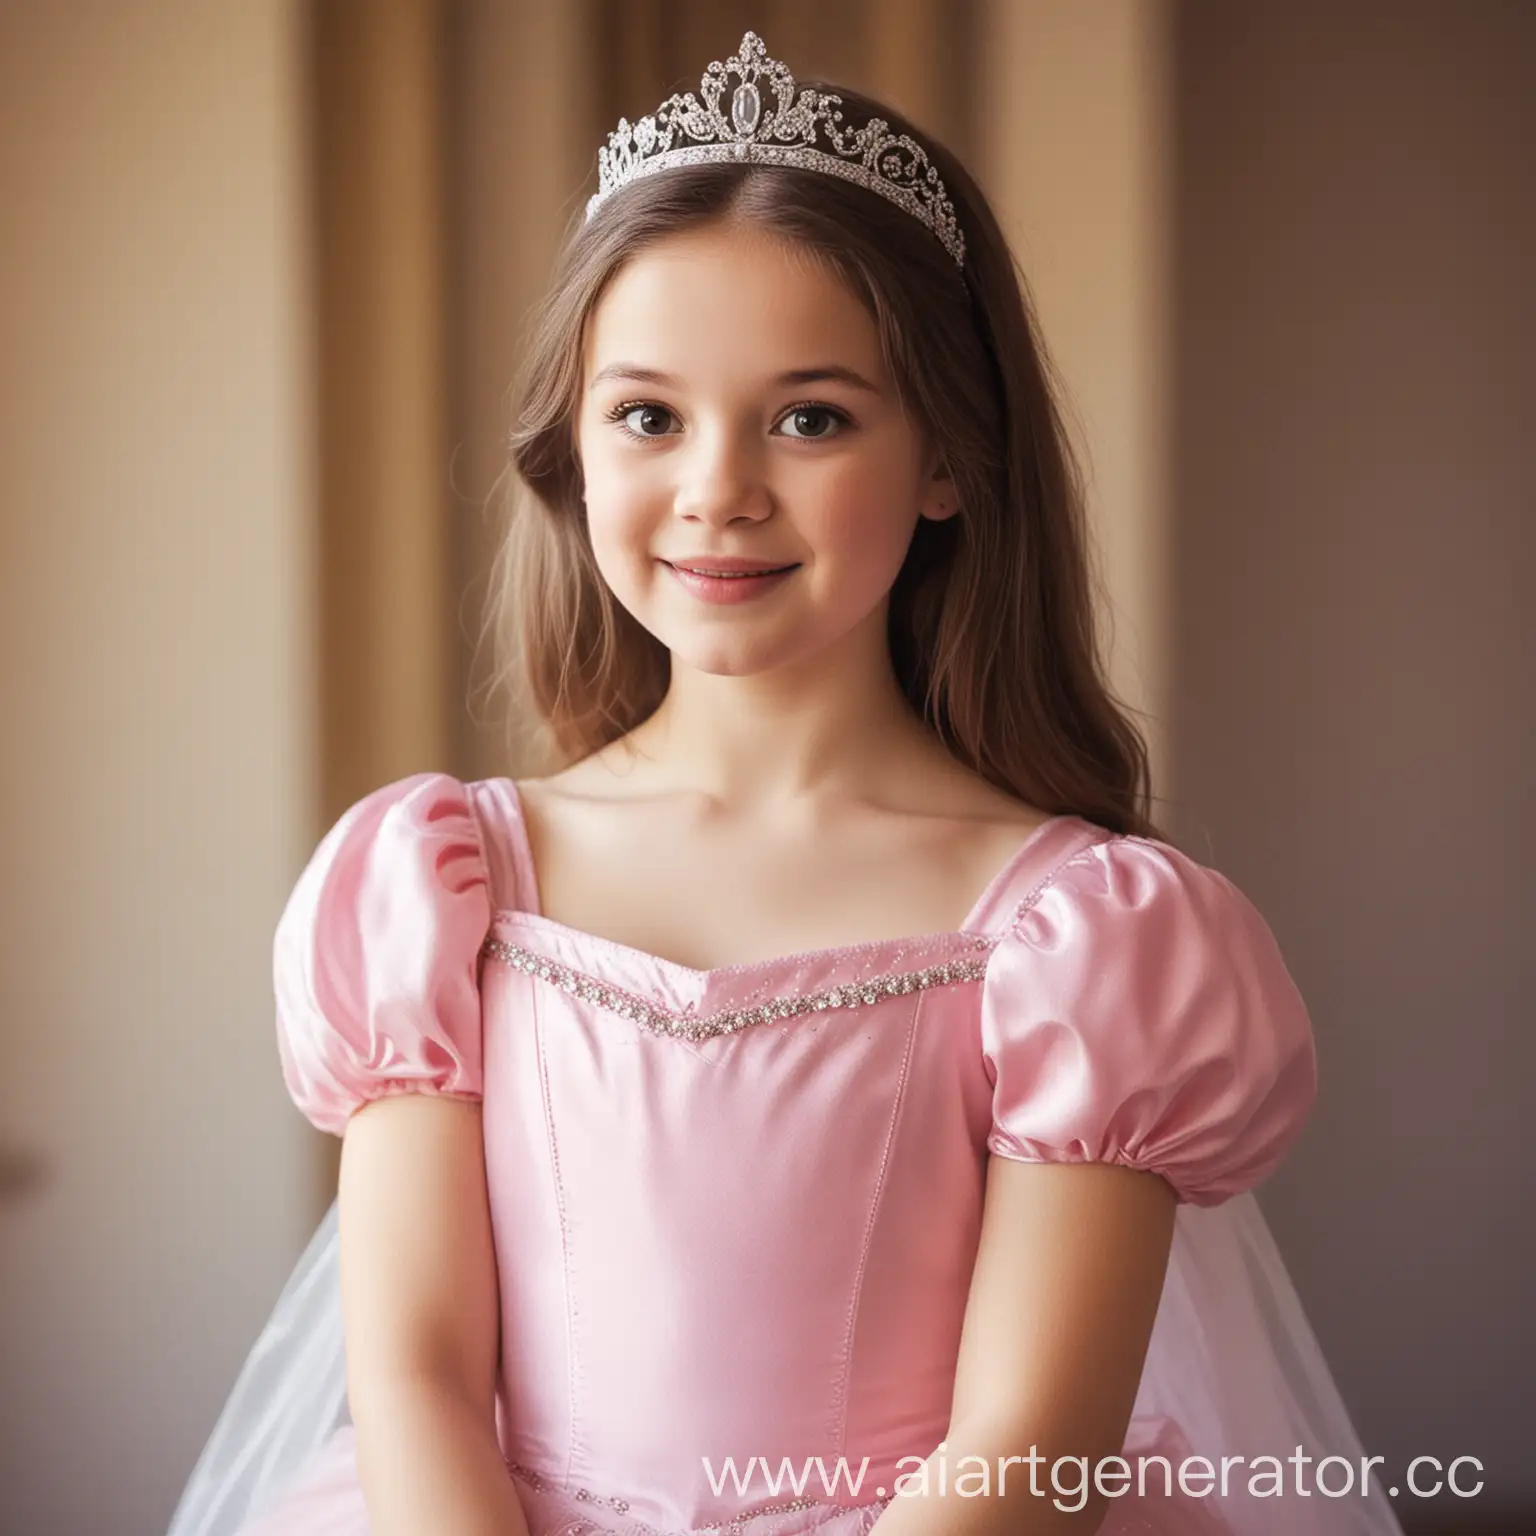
(736, 411)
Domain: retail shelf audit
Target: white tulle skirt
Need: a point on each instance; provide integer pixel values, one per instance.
(1233, 1371)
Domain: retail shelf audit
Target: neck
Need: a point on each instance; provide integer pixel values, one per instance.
(833, 723)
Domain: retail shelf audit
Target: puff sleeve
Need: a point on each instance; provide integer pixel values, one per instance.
(1138, 1012)
(376, 953)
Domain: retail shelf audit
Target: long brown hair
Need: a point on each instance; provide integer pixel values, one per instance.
(991, 624)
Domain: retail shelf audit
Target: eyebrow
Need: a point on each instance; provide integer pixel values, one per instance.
(833, 373)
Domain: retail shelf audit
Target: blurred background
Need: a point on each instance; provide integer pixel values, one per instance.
(264, 270)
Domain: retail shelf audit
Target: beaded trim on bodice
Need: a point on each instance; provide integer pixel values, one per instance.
(693, 1027)
(685, 1026)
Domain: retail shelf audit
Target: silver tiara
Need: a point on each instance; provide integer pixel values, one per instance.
(682, 131)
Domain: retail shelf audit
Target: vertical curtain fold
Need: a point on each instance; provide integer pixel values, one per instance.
(386, 661)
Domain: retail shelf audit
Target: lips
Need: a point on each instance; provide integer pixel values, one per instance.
(699, 570)
(730, 581)
(726, 570)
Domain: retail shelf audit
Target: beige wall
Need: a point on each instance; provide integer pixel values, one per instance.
(1353, 738)
(155, 783)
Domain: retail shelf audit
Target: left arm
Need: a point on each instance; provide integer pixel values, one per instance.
(1063, 1296)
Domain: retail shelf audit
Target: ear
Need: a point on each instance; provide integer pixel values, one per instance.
(940, 500)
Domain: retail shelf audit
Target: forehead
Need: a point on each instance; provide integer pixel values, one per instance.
(730, 303)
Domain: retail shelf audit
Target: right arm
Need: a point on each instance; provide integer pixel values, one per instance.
(421, 1308)
(380, 1035)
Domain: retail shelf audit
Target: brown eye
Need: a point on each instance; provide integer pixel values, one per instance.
(648, 420)
(812, 421)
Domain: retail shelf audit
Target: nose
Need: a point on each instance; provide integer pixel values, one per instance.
(722, 479)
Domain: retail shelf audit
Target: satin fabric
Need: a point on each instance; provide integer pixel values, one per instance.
(760, 1244)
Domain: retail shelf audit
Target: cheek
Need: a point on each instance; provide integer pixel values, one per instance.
(622, 504)
(865, 512)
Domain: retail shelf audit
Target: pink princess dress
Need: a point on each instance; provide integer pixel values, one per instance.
(736, 1211)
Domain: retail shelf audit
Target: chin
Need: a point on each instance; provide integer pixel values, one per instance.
(716, 663)
(730, 660)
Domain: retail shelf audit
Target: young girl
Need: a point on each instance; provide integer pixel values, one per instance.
(826, 1103)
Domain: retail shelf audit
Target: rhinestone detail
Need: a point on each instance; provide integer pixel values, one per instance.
(543, 1484)
(730, 1021)
(547, 1485)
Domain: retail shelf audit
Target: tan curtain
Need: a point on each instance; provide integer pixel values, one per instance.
(377, 124)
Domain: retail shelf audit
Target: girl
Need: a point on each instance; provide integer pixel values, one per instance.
(825, 1103)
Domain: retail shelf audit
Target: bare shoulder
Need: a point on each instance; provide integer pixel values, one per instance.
(988, 827)
(957, 793)
(584, 809)
(609, 774)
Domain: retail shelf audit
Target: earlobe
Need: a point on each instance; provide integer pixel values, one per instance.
(941, 502)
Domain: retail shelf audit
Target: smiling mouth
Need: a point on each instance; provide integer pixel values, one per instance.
(698, 570)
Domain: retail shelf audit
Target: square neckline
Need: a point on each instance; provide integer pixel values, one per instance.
(969, 929)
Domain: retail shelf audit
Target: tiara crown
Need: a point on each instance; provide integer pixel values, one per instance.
(801, 128)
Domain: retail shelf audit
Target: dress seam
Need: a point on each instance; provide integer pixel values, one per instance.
(876, 1201)
(572, 1353)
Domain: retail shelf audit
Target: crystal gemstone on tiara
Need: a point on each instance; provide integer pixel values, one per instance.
(790, 126)
(746, 108)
